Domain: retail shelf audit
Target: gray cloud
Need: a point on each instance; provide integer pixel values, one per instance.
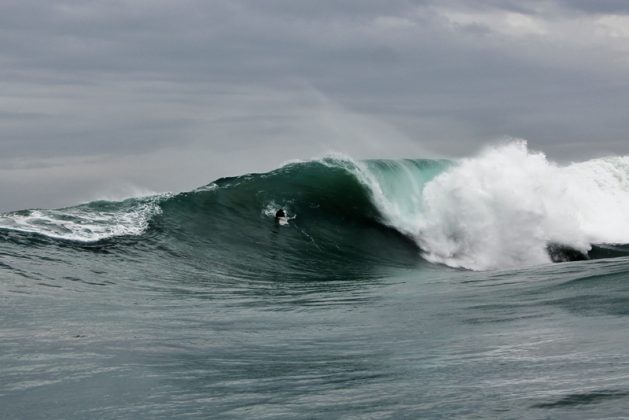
(600, 6)
(169, 95)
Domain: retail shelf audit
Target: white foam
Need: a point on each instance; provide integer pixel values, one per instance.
(502, 208)
(209, 187)
(84, 223)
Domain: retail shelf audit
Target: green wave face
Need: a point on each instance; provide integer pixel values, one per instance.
(335, 229)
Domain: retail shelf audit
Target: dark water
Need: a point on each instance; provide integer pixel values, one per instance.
(199, 306)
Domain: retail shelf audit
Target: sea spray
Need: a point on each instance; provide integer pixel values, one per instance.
(506, 206)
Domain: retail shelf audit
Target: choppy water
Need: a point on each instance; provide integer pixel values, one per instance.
(402, 289)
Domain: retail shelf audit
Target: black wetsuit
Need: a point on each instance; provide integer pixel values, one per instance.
(280, 213)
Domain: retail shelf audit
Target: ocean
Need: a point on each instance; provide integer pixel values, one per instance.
(495, 286)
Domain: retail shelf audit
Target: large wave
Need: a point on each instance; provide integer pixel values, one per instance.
(507, 207)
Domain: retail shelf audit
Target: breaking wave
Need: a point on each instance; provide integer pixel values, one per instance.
(507, 207)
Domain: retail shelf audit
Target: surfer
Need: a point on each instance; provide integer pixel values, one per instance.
(282, 218)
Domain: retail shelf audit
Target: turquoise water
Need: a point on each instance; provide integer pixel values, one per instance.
(198, 305)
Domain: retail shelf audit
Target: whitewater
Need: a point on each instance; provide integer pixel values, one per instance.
(488, 286)
(504, 208)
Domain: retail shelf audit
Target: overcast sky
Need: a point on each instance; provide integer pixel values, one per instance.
(105, 99)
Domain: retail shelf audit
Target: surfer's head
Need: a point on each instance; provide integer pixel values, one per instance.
(280, 213)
